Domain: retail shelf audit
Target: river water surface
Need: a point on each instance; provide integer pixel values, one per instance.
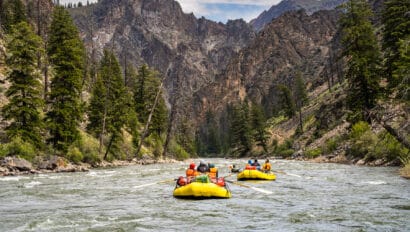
(309, 197)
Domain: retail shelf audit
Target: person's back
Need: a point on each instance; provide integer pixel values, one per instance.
(256, 164)
(266, 166)
(213, 171)
(191, 172)
(202, 167)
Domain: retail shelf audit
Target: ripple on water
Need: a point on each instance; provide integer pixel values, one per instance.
(32, 184)
(335, 198)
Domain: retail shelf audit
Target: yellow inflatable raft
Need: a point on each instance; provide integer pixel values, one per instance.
(255, 175)
(201, 189)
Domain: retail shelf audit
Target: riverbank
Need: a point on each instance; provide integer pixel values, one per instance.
(13, 166)
(342, 159)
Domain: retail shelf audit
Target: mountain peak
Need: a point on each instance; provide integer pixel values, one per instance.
(310, 6)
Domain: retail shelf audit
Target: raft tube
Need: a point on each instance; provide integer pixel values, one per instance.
(255, 175)
(200, 190)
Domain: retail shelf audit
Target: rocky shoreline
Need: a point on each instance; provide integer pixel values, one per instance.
(13, 166)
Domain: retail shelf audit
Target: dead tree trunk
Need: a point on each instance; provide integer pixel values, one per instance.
(145, 132)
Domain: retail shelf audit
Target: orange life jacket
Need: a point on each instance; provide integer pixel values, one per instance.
(248, 167)
(266, 167)
(182, 181)
(213, 172)
(191, 172)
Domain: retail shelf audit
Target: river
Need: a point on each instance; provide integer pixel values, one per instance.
(306, 197)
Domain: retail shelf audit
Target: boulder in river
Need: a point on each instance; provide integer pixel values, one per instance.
(17, 163)
(54, 163)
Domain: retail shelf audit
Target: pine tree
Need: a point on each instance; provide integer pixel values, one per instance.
(145, 90)
(288, 104)
(12, 13)
(363, 55)
(241, 129)
(66, 53)
(24, 94)
(212, 140)
(402, 71)
(109, 104)
(259, 126)
(301, 98)
(396, 27)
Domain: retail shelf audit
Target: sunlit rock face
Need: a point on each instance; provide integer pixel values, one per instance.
(158, 33)
(294, 42)
(310, 6)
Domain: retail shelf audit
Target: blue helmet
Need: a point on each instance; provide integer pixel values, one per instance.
(249, 161)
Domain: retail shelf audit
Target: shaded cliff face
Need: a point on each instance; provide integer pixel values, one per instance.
(158, 33)
(310, 6)
(293, 42)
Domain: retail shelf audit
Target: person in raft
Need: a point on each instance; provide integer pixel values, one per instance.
(213, 171)
(202, 167)
(257, 164)
(191, 171)
(234, 169)
(249, 164)
(266, 167)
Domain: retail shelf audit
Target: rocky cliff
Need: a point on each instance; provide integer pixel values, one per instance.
(291, 43)
(310, 6)
(186, 50)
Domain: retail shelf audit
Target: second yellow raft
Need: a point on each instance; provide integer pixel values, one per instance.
(255, 175)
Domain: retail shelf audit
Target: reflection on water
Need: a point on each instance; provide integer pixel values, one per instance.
(309, 197)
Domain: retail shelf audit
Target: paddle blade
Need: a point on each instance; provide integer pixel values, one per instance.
(251, 187)
(145, 185)
(261, 190)
(154, 183)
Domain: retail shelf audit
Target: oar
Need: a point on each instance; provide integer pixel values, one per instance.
(251, 187)
(154, 183)
(229, 175)
(289, 174)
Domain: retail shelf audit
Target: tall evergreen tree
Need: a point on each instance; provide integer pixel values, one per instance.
(301, 97)
(145, 90)
(363, 55)
(109, 104)
(396, 27)
(66, 53)
(211, 136)
(259, 126)
(24, 94)
(12, 13)
(241, 129)
(402, 71)
(288, 104)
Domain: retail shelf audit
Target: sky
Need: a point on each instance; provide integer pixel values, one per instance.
(218, 10)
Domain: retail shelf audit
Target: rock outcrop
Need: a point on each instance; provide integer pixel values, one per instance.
(310, 6)
(188, 51)
(293, 42)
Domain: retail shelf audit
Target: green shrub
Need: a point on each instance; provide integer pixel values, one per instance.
(313, 153)
(89, 147)
(359, 129)
(388, 147)
(3, 150)
(405, 171)
(18, 147)
(331, 145)
(178, 151)
(363, 146)
(91, 158)
(285, 149)
(286, 153)
(74, 154)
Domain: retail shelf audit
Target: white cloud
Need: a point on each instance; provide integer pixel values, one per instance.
(210, 9)
(241, 2)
